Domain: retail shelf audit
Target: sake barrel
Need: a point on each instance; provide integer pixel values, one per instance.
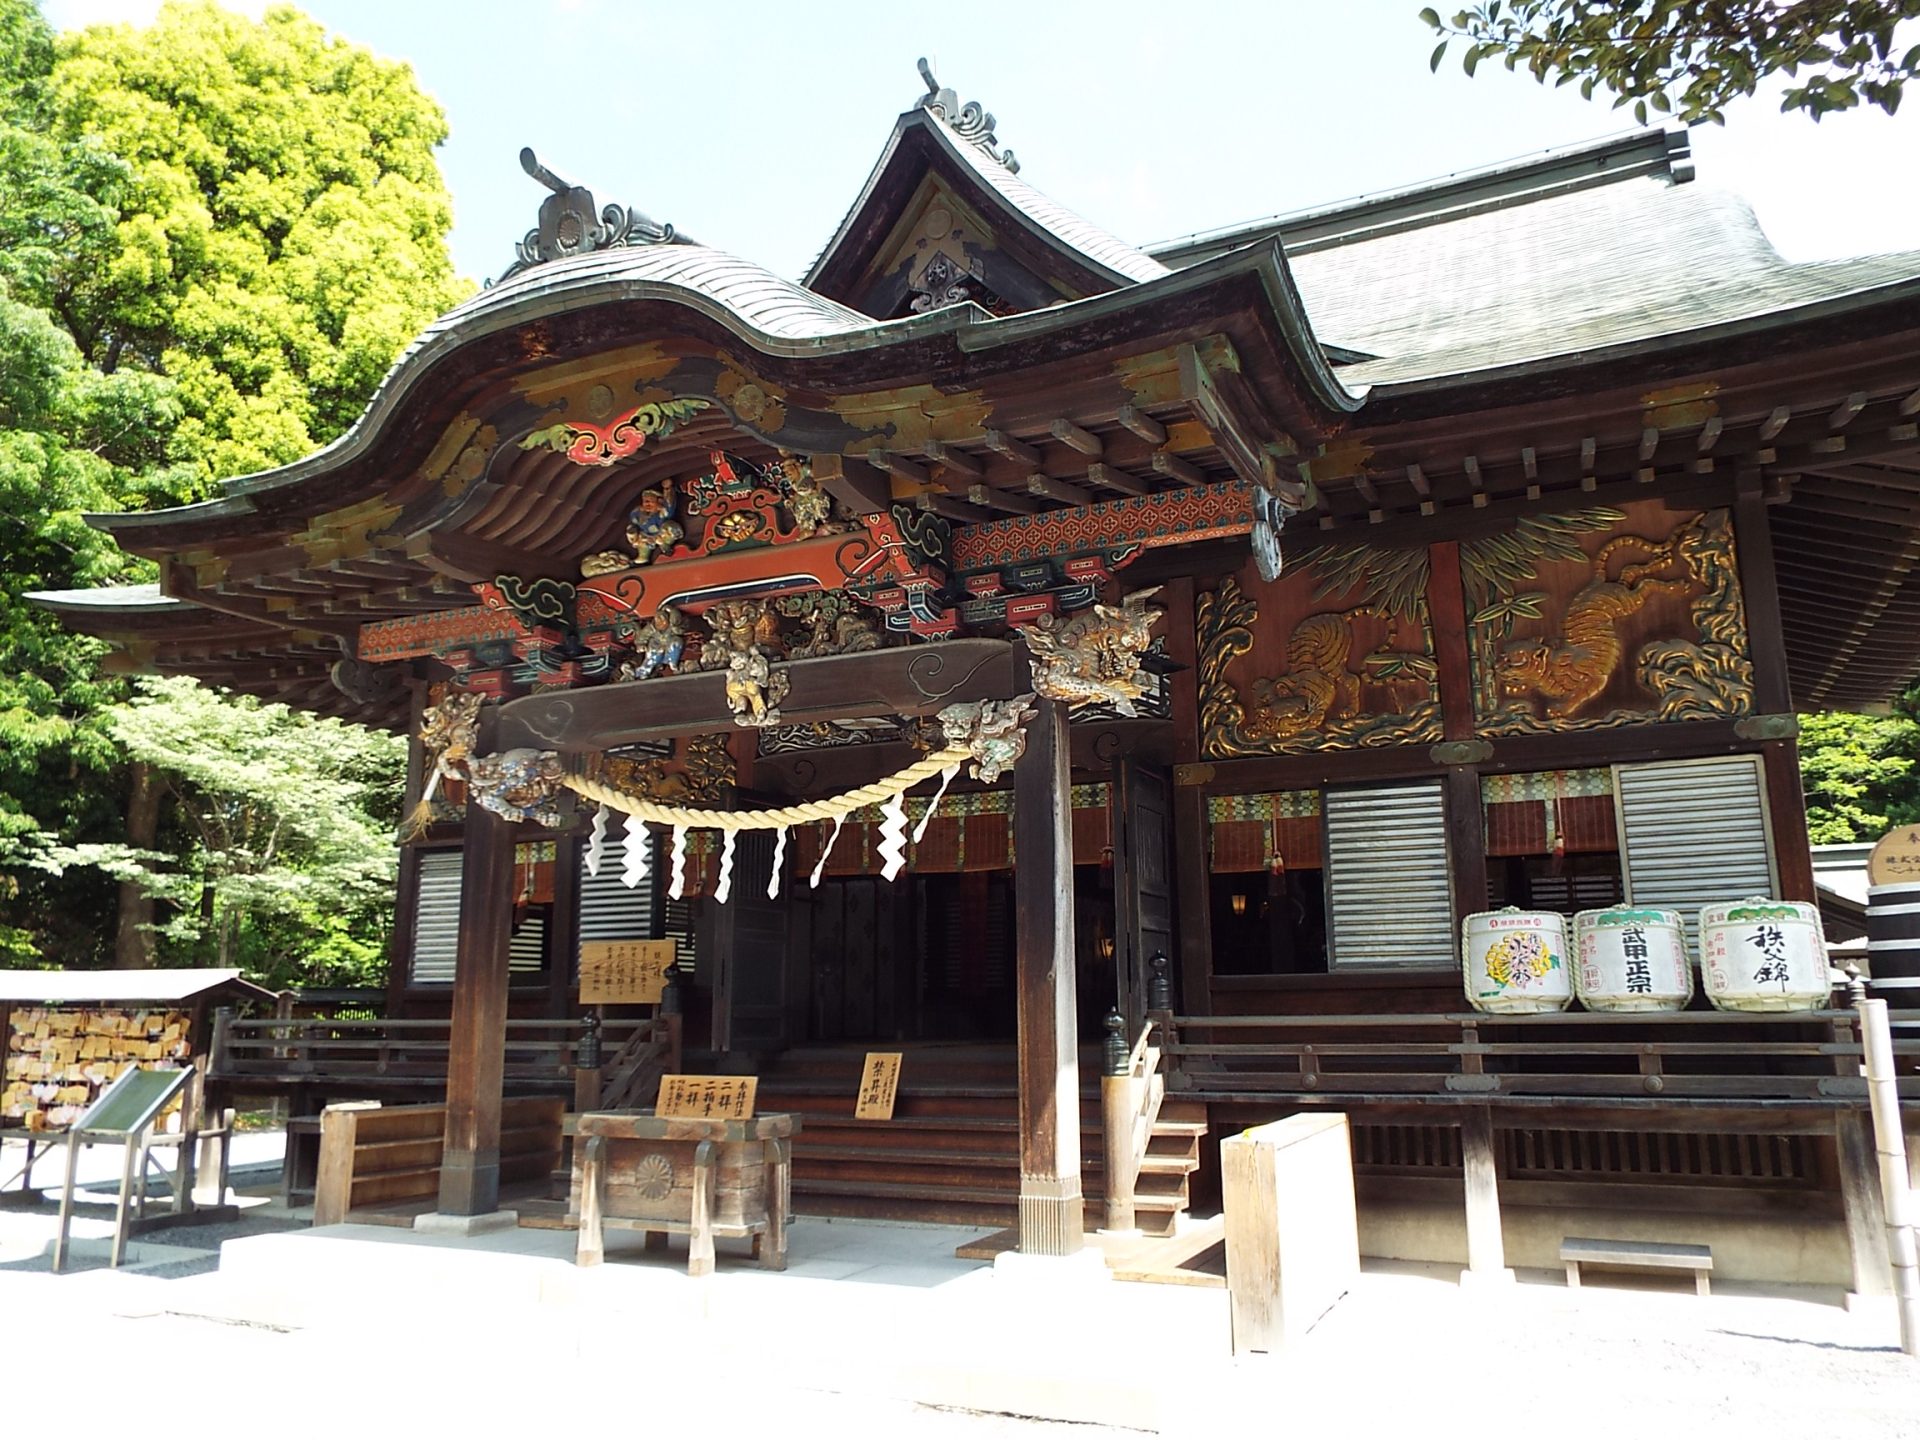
(1628, 959)
(1893, 932)
(1759, 954)
(1514, 962)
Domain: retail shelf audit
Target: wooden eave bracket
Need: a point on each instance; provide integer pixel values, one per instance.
(1224, 404)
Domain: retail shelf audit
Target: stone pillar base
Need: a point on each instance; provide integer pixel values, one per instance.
(435, 1223)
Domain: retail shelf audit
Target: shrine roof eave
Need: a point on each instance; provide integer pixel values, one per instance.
(1208, 298)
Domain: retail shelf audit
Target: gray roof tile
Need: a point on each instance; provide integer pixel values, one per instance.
(1622, 262)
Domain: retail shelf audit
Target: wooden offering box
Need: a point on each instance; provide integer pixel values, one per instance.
(700, 1178)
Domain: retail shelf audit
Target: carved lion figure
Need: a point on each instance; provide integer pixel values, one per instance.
(1095, 655)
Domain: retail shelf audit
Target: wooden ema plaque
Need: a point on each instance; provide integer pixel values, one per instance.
(706, 1097)
(879, 1082)
(624, 972)
(1896, 858)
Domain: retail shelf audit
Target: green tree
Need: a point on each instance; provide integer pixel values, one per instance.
(279, 230)
(215, 235)
(1692, 58)
(287, 822)
(1861, 774)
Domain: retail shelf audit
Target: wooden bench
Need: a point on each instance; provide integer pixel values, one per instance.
(390, 1156)
(1637, 1255)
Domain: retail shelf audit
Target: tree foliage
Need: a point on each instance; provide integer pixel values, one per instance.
(280, 222)
(1692, 58)
(1861, 773)
(215, 235)
(286, 818)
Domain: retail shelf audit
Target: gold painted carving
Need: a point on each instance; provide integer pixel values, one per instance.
(1549, 681)
(701, 771)
(1095, 656)
(1320, 698)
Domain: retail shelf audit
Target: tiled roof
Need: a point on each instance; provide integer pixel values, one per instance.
(1627, 261)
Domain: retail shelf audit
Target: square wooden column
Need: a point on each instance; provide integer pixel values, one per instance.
(476, 1052)
(1051, 1216)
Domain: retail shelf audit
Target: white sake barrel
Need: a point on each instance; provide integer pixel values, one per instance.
(1514, 962)
(1759, 954)
(1631, 960)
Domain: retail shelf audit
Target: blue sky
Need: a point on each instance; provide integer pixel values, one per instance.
(752, 125)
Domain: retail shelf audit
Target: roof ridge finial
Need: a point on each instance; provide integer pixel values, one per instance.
(570, 225)
(971, 121)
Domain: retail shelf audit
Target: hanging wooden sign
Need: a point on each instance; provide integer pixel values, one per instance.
(879, 1083)
(1896, 858)
(706, 1097)
(624, 972)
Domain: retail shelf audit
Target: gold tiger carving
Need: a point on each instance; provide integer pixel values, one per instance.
(1571, 670)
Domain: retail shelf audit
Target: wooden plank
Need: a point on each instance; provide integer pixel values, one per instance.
(333, 1185)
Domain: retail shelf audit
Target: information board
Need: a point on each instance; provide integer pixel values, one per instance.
(624, 972)
(879, 1082)
(706, 1097)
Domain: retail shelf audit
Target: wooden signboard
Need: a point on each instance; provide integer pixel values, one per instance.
(706, 1097)
(624, 972)
(879, 1082)
(1896, 858)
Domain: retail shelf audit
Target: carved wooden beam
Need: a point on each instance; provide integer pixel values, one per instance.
(906, 680)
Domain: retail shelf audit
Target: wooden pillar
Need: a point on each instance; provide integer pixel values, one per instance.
(1486, 1248)
(563, 935)
(476, 1053)
(1772, 688)
(1051, 1218)
(1192, 891)
(1466, 841)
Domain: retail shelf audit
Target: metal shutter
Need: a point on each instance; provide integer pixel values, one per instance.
(608, 909)
(527, 948)
(436, 926)
(436, 918)
(1389, 895)
(1694, 832)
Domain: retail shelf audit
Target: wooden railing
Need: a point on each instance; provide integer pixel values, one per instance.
(1694, 1054)
(630, 1078)
(397, 1052)
(1130, 1096)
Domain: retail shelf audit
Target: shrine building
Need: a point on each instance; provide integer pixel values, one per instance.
(1045, 658)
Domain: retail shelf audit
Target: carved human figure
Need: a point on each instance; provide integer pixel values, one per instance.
(651, 528)
(661, 642)
(810, 506)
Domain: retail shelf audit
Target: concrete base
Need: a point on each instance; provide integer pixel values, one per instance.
(434, 1223)
(1086, 1266)
(1485, 1279)
(1880, 1307)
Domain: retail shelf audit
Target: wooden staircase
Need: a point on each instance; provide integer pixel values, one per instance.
(951, 1154)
